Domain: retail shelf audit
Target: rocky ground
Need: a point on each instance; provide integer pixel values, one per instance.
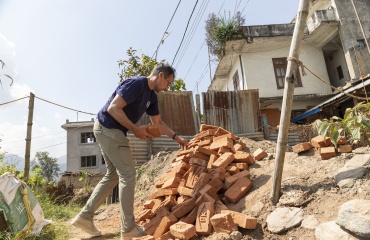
(311, 190)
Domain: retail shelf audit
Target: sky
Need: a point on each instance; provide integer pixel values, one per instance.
(67, 52)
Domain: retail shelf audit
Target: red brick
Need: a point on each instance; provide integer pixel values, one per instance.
(240, 166)
(143, 215)
(199, 155)
(194, 173)
(217, 173)
(202, 181)
(223, 222)
(159, 183)
(318, 142)
(243, 157)
(232, 179)
(242, 220)
(198, 161)
(182, 198)
(223, 160)
(216, 183)
(219, 206)
(168, 203)
(172, 182)
(229, 135)
(183, 230)
(211, 191)
(184, 208)
(239, 146)
(206, 151)
(204, 127)
(259, 154)
(232, 170)
(166, 236)
(204, 143)
(152, 225)
(238, 189)
(157, 203)
(201, 135)
(149, 204)
(204, 198)
(184, 191)
(301, 147)
(191, 217)
(327, 152)
(203, 224)
(223, 150)
(223, 142)
(186, 151)
(164, 225)
(345, 148)
(212, 159)
(160, 212)
(160, 192)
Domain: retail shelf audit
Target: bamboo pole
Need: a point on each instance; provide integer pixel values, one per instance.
(288, 99)
(29, 137)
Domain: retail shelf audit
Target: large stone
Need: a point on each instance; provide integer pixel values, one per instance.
(310, 222)
(354, 168)
(354, 216)
(332, 231)
(283, 219)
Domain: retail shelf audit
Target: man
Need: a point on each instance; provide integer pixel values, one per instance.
(124, 108)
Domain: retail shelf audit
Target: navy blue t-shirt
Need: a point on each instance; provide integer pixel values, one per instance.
(139, 99)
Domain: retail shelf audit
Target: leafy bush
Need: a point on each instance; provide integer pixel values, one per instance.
(356, 121)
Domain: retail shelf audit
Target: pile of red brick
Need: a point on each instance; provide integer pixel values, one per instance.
(324, 147)
(189, 199)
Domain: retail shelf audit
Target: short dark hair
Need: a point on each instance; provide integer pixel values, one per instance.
(166, 68)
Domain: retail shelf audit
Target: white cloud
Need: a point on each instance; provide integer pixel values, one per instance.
(19, 90)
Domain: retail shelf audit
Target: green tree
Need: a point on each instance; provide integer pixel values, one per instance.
(221, 29)
(48, 165)
(142, 66)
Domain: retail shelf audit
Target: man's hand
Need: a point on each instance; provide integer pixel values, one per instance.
(141, 133)
(182, 141)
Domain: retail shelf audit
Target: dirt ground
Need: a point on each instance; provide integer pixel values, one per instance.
(307, 182)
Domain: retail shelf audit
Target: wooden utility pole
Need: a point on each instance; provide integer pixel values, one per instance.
(288, 98)
(29, 137)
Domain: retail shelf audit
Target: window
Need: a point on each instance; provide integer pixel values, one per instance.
(280, 65)
(361, 43)
(88, 161)
(236, 80)
(88, 137)
(340, 72)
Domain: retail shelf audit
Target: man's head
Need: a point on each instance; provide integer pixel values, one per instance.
(163, 75)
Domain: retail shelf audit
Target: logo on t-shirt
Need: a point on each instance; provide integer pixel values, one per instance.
(147, 104)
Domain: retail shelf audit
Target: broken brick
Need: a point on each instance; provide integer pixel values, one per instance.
(172, 182)
(206, 151)
(232, 179)
(194, 173)
(212, 159)
(240, 166)
(143, 215)
(232, 170)
(223, 142)
(223, 160)
(318, 142)
(198, 161)
(345, 148)
(243, 157)
(242, 220)
(191, 217)
(183, 208)
(164, 225)
(204, 198)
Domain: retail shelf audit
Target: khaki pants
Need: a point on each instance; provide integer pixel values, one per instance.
(120, 169)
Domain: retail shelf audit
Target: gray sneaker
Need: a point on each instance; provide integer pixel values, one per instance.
(86, 225)
(136, 232)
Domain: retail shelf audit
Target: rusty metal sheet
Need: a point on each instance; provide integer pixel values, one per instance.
(177, 111)
(236, 111)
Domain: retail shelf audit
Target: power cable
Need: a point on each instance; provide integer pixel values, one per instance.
(4, 103)
(64, 106)
(156, 51)
(185, 31)
(193, 61)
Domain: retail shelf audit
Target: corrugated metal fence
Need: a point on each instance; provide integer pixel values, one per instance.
(177, 111)
(236, 111)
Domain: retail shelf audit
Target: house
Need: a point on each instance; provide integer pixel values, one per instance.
(333, 47)
(83, 152)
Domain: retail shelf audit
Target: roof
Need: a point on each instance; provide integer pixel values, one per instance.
(338, 98)
(69, 124)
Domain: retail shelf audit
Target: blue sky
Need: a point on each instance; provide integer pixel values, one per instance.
(66, 51)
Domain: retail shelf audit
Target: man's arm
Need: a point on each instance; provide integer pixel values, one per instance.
(168, 131)
(115, 110)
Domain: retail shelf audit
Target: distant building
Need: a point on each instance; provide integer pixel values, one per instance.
(83, 152)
